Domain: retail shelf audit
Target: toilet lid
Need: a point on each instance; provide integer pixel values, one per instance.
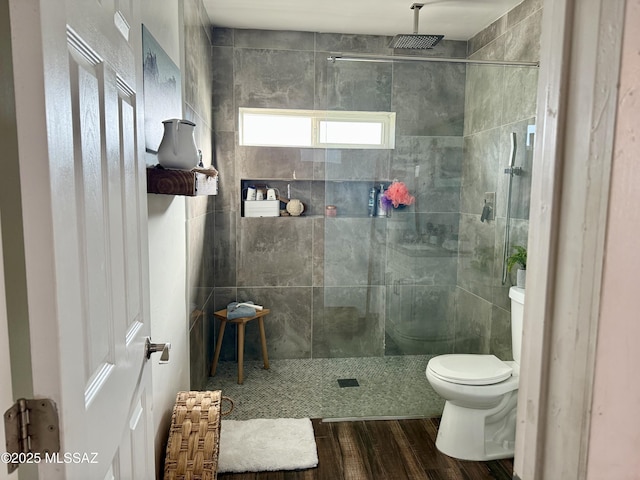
(470, 369)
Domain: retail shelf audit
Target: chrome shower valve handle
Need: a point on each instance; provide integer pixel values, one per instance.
(487, 212)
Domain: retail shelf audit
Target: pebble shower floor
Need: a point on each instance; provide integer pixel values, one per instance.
(394, 386)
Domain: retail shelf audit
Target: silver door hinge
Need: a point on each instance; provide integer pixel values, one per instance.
(31, 431)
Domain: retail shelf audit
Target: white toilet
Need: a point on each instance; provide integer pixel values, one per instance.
(481, 391)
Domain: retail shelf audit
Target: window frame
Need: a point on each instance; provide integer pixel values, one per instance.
(386, 119)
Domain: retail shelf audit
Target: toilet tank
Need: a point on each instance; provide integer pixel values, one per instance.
(517, 315)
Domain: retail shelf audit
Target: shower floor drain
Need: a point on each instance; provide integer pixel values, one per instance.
(348, 382)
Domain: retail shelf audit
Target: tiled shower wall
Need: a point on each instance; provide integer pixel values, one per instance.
(499, 100)
(352, 286)
(199, 215)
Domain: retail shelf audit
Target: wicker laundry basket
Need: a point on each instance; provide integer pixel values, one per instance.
(194, 436)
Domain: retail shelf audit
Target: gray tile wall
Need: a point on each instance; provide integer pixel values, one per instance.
(200, 223)
(351, 285)
(499, 100)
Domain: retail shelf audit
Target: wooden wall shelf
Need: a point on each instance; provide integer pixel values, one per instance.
(191, 183)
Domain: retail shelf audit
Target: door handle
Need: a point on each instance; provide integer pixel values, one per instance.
(150, 348)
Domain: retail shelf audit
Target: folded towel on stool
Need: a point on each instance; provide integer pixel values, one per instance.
(241, 310)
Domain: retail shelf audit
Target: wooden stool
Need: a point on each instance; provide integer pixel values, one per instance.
(240, 322)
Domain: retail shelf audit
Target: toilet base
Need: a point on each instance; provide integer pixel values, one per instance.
(476, 434)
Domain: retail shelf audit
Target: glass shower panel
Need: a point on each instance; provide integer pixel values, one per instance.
(421, 279)
(389, 279)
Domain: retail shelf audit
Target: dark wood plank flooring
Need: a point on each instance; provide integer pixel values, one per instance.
(383, 450)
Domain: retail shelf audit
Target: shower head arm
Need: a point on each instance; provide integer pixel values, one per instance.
(416, 16)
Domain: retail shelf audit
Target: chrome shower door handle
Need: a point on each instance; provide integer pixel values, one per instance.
(150, 348)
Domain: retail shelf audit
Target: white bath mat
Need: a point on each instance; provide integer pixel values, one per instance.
(262, 445)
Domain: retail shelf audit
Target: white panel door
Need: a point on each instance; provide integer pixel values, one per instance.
(88, 280)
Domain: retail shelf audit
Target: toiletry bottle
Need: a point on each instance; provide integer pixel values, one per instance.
(372, 201)
(382, 211)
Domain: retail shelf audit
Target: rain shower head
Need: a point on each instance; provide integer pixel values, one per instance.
(415, 41)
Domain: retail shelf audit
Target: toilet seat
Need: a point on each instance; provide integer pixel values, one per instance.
(470, 369)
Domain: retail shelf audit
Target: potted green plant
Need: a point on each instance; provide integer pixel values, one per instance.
(519, 257)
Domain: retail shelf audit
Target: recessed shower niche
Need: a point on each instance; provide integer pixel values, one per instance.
(350, 197)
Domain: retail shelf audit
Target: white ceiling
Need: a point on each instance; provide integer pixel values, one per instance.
(456, 19)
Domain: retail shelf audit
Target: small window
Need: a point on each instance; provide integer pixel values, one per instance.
(316, 128)
(282, 130)
(345, 133)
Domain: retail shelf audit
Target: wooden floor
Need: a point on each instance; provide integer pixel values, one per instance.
(383, 450)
